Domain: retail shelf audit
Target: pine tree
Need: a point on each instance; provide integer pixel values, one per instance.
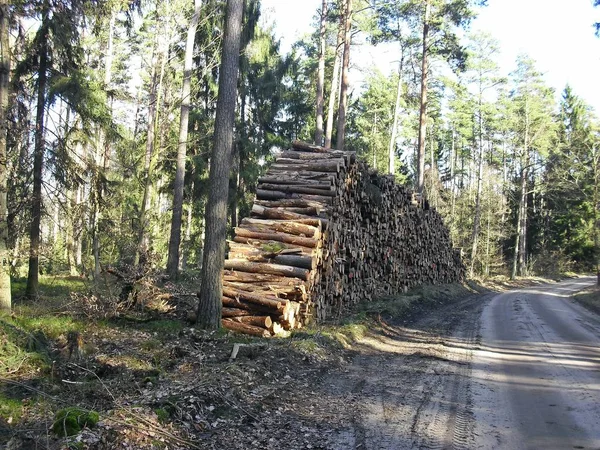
(209, 308)
(175, 239)
(5, 293)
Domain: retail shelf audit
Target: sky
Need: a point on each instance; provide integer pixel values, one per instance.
(557, 34)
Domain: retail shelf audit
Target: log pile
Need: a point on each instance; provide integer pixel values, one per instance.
(325, 233)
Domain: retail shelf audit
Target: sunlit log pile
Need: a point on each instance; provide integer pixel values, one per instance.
(325, 233)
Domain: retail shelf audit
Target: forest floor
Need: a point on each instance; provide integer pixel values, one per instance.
(156, 382)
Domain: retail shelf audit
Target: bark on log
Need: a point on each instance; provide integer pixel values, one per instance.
(244, 328)
(275, 269)
(257, 321)
(262, 300)
(277, 236)
(235, 312)
(297, 189)
(286, 226)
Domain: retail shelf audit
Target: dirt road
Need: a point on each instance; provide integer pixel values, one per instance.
(518, 370)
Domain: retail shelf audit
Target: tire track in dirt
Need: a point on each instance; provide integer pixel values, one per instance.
(409, 386)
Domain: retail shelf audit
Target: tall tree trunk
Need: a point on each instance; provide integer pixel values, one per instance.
(5, 294)
(423, 109)
(102, 152)
(150, 141)
(519, 253)
(343, 107)
(453, 164)
(175, 238)
(394, 134)
(321, 75)
(32, 288)
(477, 219)
(522, 268)
(335, 81)
(596, 169)
(211, 288)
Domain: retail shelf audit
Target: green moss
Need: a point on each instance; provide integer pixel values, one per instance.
(70, 421)
(162, 414)
(10, 408)
(273, 247)
(21, 351)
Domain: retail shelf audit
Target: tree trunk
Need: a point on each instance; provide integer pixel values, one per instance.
(5, 294)
(477, 219)
(343, 107)
(31, 290)
(175, 238)
(211, 289)
(102, 151)
(519, 254)
(335, 81)
(392, 148)
(423, 109)
(522, 268)
(596, 169)
(321, 76)
(142, 235)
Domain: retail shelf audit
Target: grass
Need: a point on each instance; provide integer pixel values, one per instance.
(51, 287)
(11, 409)
(590, 298)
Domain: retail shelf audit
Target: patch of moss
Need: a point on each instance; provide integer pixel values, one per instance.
(70, 421)
(273, 247)
(21, 351)
(162, 414)
(11, 409)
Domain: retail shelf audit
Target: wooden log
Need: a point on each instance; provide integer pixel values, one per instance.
(283, 291)
(291, 203)
(263, 194)
(286, 226)
(234, 312)
(276, 236)
(295, 154)
(267, 243)
(327, 191)
(253, 308)
(247, 277)
(257, 321)
(271, 249)
(276, 329)
(304, 176)
(275, 269)
(304, 262)
(283, 214)
(262, 299)
(323, 183)
(245, 328)
(303, 146)
(327, 165)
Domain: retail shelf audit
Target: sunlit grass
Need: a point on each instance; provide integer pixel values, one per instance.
(51, 286)
(590, 298)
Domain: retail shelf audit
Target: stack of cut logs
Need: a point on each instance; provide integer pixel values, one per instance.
(325, 233)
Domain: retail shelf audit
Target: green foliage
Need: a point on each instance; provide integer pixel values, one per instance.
(70, 421)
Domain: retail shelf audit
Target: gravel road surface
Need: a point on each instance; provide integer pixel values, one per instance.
(517, 370)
